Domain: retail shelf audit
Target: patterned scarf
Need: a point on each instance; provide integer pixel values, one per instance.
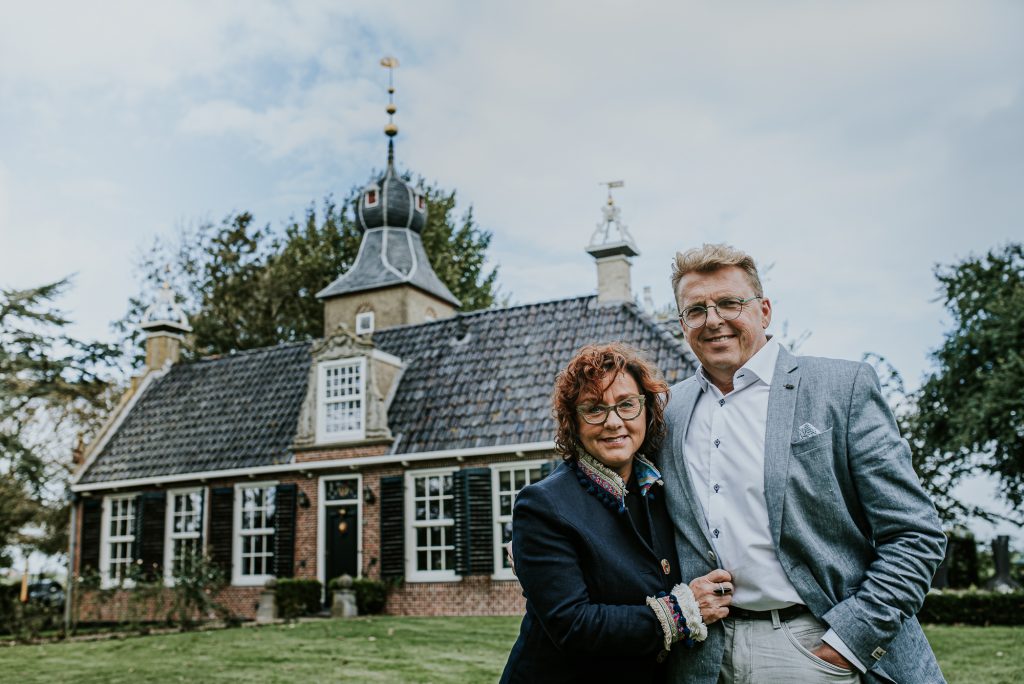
(606, 485)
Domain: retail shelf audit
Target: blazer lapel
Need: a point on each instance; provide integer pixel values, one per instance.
(689, 514)
(778, 435)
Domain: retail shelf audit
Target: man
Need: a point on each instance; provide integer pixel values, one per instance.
(789, 472)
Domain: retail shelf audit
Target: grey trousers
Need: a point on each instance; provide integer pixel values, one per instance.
(776, 652)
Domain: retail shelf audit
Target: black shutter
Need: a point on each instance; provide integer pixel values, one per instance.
(474, 524)
(392, 527)
(284, 530)
(149, 539)
(222, 514)
(92, 523)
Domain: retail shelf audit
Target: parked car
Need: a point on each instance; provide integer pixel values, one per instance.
(47, 592)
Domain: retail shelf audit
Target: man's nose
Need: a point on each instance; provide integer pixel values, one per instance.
(718, 320)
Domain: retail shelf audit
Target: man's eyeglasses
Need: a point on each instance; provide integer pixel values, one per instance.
(627, 409)
(728, 309)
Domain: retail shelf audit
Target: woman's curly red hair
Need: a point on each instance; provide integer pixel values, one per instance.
(589, 372)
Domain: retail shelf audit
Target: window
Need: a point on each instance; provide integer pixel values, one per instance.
(364, 323)
(421, 202)
(371, 197)
(506, 484)
(341, 411)
(430, 541)
(118, 545)
(254, 540)
(184, 529)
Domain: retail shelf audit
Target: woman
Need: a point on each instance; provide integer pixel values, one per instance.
(593, 543)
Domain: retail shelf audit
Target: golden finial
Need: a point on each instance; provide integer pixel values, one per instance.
(389, 63)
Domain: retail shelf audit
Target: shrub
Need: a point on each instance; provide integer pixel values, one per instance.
(371, 595)
(973, 608)
(297, 597)
(197, 579)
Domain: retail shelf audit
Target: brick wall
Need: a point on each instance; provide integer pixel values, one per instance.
(475, 595)
(470, 596)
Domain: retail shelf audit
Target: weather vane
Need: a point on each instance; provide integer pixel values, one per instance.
(610, 185)
(611, 229)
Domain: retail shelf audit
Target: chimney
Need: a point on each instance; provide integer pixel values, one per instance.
(612, 247)
(165, 326)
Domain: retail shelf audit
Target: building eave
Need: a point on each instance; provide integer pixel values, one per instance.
(351, 463)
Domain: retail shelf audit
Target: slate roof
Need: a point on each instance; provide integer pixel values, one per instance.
(389, 256)
(474, 380)
(219, 413)
(485, 378)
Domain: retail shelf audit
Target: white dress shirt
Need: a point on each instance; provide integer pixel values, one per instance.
(724, 450)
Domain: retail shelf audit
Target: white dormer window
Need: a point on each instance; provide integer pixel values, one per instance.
(364, 323)
(341, 405)
(372, 197)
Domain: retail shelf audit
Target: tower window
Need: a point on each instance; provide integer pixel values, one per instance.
(371, 197)
(364, 323)
(421, 202)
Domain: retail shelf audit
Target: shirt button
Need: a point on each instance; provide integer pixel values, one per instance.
(717, 442)
(721, 402)
(717, 487)
(716, 533)
(665, 566)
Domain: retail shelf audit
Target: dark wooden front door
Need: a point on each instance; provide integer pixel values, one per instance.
(342, 537)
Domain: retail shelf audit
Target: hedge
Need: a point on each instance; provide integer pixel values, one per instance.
(297, 597)
(973, 608)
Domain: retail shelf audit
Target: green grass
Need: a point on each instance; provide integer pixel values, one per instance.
(978, 654)
(387, 649)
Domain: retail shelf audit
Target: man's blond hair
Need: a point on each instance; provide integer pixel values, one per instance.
(708, 258)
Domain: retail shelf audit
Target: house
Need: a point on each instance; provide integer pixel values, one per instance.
(393, 447)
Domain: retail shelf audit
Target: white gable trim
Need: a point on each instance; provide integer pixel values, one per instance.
(352, 463)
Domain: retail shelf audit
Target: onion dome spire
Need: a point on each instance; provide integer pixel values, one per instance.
(391, 201)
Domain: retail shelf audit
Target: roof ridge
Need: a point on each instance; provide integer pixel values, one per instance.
(481, 312)
(247, 352)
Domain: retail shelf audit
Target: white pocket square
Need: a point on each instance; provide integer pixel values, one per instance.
(807, 430)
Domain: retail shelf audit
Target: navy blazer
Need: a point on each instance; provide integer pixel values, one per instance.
(586, 572)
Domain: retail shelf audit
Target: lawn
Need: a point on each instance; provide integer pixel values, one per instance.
(387, 649)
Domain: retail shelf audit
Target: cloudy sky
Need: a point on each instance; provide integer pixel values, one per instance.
(850, 146)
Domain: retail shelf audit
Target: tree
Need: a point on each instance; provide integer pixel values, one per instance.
(970, 411)
(246, 287)
(50, 384)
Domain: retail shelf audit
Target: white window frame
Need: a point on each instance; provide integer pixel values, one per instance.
(501, 572)
(106, 539)
(171, 536)
(411, 525)
(322, 436)
(321, 546)
(237, 578)
(364, 322)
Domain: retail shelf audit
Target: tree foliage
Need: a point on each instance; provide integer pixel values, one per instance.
(50, 385)
(970, 411)
(245, 286)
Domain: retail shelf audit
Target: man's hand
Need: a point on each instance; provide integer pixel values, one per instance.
(832, 656)
(713, 592)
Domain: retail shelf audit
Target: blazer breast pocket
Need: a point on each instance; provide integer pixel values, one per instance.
(812, 443)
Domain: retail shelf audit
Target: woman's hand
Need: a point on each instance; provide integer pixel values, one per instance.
(713, 592)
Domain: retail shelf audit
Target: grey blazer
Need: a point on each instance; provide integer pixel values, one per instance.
(855, 532)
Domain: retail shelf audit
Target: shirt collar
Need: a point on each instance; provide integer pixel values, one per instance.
(607, 485)
(760, 366)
